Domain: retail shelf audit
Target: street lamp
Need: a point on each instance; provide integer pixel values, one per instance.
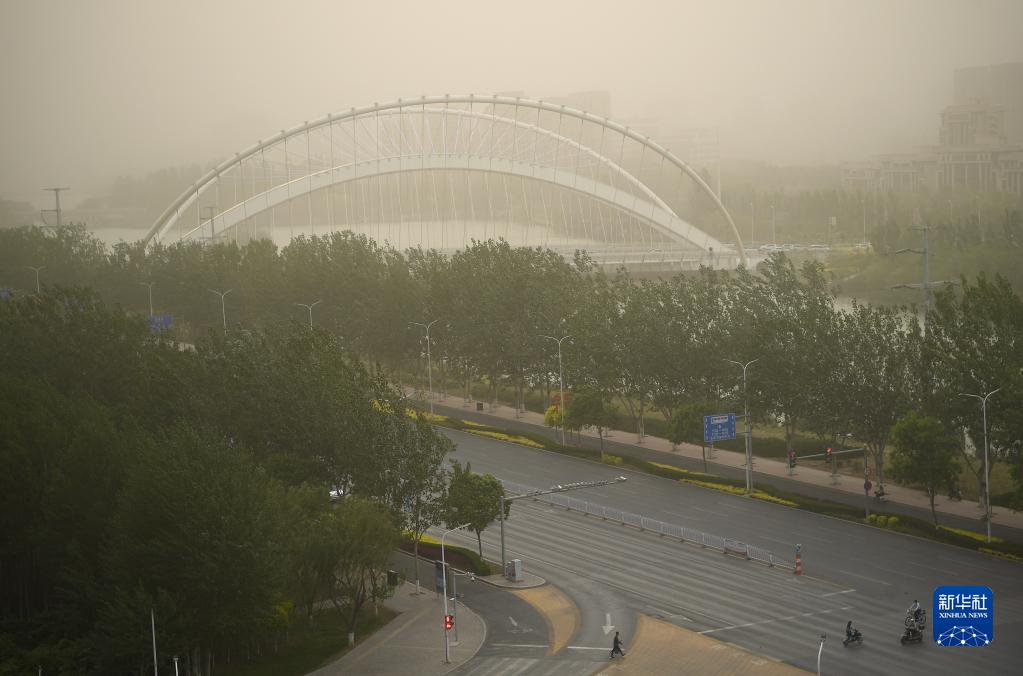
(560, 488)
(36, 270)
(150, 285)
(987, 472)
(444, 570)
(309, 307)
(561, 379)
(749, 426)
(824, 637)
(223, 311)
(429, 360)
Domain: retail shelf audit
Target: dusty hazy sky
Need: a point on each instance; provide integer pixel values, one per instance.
(96, 88)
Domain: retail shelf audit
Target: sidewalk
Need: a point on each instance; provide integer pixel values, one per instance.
(845, 483)
(414, 641)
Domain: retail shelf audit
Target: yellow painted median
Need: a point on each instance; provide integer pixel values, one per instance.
(561, 614)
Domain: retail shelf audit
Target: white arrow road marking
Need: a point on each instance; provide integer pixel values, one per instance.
(608, 627)
(512, 620)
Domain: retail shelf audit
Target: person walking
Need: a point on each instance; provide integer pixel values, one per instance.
(617, 647)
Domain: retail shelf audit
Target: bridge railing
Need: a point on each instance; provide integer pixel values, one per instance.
(644, 523)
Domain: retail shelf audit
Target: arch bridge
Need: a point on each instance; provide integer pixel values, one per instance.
(440, 171)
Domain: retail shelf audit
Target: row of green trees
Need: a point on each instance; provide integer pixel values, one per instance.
(143, 477)
(663, 345)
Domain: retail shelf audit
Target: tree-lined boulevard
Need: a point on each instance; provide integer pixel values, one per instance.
(219, 484)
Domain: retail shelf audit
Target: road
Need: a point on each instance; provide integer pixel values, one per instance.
(852, 571)
(781, 483)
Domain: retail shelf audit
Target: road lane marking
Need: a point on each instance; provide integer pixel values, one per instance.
(948, 573)
(518, 645)
(777, 619)
(584, 647)
(864, 577)
(844, 591)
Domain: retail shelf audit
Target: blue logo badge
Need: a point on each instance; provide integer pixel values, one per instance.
(964, 616)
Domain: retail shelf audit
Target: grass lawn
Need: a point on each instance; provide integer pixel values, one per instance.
(311, 647)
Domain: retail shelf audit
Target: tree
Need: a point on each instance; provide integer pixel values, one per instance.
(365, 536)
(925, 454)
(473, 499)
(418, 485)
(873, 377)
(973, 346)
(590, 408)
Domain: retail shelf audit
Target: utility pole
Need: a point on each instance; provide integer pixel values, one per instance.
(926, 286)
(211, 212)
(56, 196)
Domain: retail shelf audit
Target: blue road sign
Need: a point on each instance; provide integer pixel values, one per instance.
(720, 427)
(160, 322)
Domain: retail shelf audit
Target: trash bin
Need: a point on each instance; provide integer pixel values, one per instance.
(392, 578)
(479, 405)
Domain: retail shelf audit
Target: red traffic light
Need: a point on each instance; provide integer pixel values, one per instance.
(449, 622)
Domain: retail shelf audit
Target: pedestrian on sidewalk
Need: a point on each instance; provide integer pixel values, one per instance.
(617, 647)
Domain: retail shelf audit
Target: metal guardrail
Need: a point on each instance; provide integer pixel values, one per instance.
(643, 523)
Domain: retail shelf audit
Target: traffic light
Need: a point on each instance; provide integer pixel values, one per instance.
(792, 458)
(827, 452)
(449, 622)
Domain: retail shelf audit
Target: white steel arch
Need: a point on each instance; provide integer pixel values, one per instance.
(468, 151)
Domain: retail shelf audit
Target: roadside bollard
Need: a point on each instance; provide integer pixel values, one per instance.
(799, 560)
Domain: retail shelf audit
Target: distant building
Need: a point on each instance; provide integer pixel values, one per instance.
(1001, 86)
(979, 146)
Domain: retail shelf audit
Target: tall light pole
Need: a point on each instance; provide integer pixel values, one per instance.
(223, 311)
(561, 379)
(444, 570)
(749, 426)
(150, 285)
(36, 270)
(309, 307)
(429, 361)
(987, 472)
(824, 637)
(560, 488)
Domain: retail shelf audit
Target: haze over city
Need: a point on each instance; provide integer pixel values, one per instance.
(97, 90)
